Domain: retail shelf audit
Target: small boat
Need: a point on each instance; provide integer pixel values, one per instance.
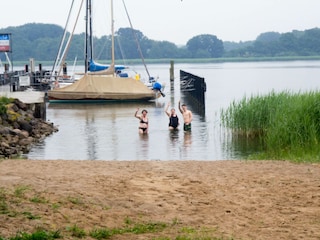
(104, 83)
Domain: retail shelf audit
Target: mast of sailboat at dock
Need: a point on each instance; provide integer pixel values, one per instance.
(89, 36)
(112, 34)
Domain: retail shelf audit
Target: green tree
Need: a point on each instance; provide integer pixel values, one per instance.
(200, 44)
(268, 37)
(163, 49)
(128, 40)
(41, 42)
(289, 44)
(309, 42)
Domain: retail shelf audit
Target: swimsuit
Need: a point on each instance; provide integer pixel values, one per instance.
(187, 127)
(173, 121)
(144, 129)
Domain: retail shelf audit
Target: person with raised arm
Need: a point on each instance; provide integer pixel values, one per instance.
(187, 116)
(173, 118)
(144, 121)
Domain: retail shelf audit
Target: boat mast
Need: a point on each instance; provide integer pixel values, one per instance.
(88, 34)
(112, 35)
(58, 57)
(86, 39)
(89, 38)
(90, 26)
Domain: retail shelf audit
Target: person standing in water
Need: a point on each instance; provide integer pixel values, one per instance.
(173, 118)
(187, 116)
(144, 121)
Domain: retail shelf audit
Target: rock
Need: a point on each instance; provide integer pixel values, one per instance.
(19, 129)
(5, 145)
(21, 133)
(24, 125)
(13, 107)
(4, 130)
(20, 105)
(26, 141)
(24, 134)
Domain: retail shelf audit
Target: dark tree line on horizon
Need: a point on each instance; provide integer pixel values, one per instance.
(41, 42)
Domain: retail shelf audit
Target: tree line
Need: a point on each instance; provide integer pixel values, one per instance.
(41, 41)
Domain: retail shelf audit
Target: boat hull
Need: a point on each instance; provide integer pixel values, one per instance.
(103, 88)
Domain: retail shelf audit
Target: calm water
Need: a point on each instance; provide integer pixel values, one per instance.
(110, 131)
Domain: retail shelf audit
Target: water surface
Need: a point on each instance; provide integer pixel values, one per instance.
(109, 131)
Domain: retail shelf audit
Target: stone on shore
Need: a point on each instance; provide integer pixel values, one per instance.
(20, 129)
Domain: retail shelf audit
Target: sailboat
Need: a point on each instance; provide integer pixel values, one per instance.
(106, 84)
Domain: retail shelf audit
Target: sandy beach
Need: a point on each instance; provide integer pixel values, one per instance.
(197, 199)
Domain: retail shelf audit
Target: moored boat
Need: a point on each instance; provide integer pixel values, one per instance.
(104, 84)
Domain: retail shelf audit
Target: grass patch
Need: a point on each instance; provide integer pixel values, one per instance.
(102, 233)
(4, 208)
(10, 202)
(191, 233)
(285, 124)
(55, 206)
(141, 228)
(30, 216)
(76, 231)
(22, 210)
(75, 200)
(131, 227)
(38, 199)
(20, 191)
(3, 102)
(37, 235)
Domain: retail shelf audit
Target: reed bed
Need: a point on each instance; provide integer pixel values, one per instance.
(286, 124)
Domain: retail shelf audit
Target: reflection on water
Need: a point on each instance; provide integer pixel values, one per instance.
(174, 135)
(144, 145)
(109, 131)
(240, 145)
(187, 139)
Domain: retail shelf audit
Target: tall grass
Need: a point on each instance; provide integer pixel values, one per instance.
(287, 124)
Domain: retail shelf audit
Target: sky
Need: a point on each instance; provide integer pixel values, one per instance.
(175, 21)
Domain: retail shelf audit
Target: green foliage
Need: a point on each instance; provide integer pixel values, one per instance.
(38, 199)
(140, 228)
(77, 231)
(287, 124)
(102, 233)
(20, 190)
(4, 209)
(205, 46)
(41, 41)
(128, 221)
(272, 44)
(3, 102)
(37, 235)
(131, 227)
(55, 206)
(268, 37)
(75, 200)
(30, 216)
